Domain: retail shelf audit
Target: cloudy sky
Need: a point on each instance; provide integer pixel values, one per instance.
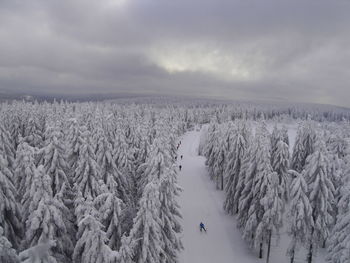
(295, 50)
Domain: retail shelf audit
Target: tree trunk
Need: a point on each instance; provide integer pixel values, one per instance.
(309, 255)
(269, 247)
(292, 256)
(222, 182)
(261, 250)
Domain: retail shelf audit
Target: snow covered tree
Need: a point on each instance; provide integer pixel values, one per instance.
(7, 150)
(91, 244)
(273, 210)
(109, 209)
(33, 134)
(248, 173)
(203, 140)
(320, 194)
(75, 139)
(280, 164)
(338, 144)
(87, 174)
(123, 157)
(146, 234)
(16, 129)
(7, 253)
(169, 215)
(241, 179)
(219, 163)
(304, 146)
(298, 156)
(212, 150)
(10, 213)
(110, 174)
(299, 214)
(284, 135)
(275, 138)
(24, 167)
(46, 220)
(54, 159)
(159, 167)
(251, 211)
(40, 253)
(233, 171)
(211, 141)
(156, 165)
(309, 138)
(339, 242)
(337, 147)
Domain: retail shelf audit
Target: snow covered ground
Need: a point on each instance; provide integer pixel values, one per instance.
(200, 201)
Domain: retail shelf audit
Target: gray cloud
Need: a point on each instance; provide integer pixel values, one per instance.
(271, 49)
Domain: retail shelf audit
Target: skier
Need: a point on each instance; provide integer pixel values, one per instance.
(202, 227)
(181, 157)
(180, 166)
(175, 158)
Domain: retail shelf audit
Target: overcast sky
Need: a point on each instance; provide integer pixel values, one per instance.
(295, 50)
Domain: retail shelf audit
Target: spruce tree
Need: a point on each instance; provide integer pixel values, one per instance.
(110, 174)
(304, 146)
(7, 149)
(339, 241)
(245, 168)
(46, 220)
(273, 206)
(39, 253)
(251, 210)
(10, 212)
(233, 171)
(280, 164)
(7, 253)
(24, 167)
(91, 244)
(299, 214)
(54, 159)
(146, 234)
(219, 163)
(170, 215)
(87, 174)
(33, 134)
(298, 156)
(109, 208)
(320, 194)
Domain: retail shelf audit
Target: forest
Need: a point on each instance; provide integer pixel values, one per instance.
(97, 181)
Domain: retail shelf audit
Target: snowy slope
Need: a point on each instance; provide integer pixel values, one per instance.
(200, 201)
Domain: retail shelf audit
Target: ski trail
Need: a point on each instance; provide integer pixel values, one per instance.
(200, 201)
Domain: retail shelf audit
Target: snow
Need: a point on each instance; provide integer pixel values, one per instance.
(200, 201)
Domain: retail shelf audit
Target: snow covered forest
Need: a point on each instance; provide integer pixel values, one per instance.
(98, 181)
(265, 176)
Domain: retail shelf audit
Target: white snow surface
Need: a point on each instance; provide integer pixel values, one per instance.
(200, 201)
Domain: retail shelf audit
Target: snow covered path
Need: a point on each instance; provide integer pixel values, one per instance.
(200, 201)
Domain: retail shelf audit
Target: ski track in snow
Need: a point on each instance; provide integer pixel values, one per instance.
(200, 201)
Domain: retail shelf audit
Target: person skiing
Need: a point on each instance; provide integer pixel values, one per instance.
(175, 158)
(180, 166)
(181, 157)
(202, 227)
